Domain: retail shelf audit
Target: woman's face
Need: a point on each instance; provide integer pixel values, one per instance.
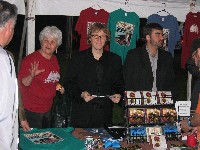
(98, 40)
(48, 45)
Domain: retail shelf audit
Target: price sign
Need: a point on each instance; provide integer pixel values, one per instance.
(183, 108)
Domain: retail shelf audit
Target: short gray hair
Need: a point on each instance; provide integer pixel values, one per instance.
(7, 11)
(51, 31)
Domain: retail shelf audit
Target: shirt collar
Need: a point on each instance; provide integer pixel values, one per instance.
(156, 56)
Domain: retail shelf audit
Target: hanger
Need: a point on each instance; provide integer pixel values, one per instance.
(96, 5)
(163, 10)
(192, 6)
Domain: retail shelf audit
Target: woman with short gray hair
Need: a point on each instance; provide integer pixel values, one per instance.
(38, 77)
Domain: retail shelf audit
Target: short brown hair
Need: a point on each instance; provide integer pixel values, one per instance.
(98, 27)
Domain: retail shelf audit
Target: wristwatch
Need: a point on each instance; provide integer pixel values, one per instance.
(189, 123)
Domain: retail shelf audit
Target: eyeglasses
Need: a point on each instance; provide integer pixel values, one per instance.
(95, 36)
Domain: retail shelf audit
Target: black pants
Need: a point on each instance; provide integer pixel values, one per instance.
(38, 120)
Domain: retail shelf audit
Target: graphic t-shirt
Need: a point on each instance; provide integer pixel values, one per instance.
(191, 32)
(170, 30)
(124, 28)
(38, 97)
(88, 17)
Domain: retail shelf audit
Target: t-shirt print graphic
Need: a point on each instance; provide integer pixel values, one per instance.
(166, 39)
(123, 33)
(53, 77)
(194, 29)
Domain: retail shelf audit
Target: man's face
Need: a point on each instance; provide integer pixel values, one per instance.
(11, 35)
(156, 38)
(10, 31)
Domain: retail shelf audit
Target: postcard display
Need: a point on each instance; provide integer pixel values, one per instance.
(151, 117)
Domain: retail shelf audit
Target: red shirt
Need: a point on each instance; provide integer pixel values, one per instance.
(38, 97)
(88, 17)
(191, 32)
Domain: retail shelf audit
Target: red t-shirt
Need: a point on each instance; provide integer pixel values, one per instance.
(88, 17)
(38, 97)
(191, 32)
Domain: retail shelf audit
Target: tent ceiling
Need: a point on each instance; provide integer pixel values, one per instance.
(173, 1)
(178, 8)
(144, 8)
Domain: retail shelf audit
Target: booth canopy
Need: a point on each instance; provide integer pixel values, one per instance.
(144, 8)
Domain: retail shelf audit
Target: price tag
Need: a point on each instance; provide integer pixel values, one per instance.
(183, 108)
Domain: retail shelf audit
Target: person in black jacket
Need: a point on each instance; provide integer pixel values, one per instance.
(150, 68)
(193, 66)
(94, 81)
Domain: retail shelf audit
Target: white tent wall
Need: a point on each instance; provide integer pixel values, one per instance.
(20, 5)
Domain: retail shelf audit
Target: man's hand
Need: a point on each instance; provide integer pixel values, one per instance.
(184, 126)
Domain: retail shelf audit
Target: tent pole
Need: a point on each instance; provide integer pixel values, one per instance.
(22, 39)
(189, 82)
(30, 42)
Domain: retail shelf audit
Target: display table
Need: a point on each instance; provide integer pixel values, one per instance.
(73, 139)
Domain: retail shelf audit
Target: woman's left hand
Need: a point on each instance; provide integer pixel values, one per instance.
(60, 88)
(115, 98)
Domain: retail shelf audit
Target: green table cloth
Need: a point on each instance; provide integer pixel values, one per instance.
(69, 141)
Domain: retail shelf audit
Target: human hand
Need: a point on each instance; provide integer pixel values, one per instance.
(60, 88)
(115, 98)
(184, 126)
(190, 132)
(25, 126)
(86, 96)
(34, 71)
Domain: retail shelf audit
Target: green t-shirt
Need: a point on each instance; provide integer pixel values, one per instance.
(124, 29)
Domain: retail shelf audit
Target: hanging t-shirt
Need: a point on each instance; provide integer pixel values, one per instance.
(191, 32)
(170, 30)
(88, 17)
(124, 28)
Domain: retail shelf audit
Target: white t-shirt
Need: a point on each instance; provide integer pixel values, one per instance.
(8, 103)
